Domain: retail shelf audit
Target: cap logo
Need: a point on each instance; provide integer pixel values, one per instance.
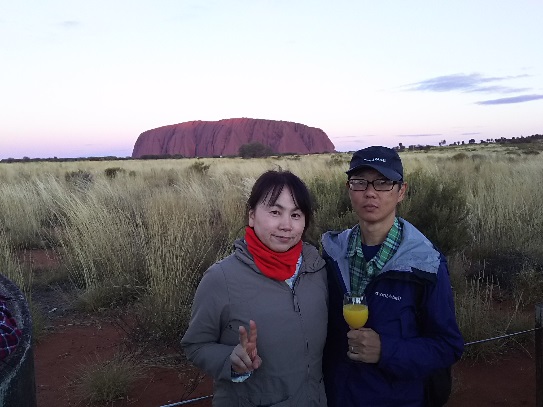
(376, 159)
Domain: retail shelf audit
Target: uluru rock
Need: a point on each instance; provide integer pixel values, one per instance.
(225, 137)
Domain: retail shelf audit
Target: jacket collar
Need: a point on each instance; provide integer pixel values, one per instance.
(416, 252)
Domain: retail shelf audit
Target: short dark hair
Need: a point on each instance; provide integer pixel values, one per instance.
(270, 185)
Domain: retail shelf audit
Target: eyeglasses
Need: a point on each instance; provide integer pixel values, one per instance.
(359, 184)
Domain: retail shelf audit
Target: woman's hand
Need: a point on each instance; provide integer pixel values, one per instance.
(244, 357)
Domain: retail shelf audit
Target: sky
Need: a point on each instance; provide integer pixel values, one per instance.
(86, 78)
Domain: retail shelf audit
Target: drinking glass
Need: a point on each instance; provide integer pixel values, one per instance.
(355, 310)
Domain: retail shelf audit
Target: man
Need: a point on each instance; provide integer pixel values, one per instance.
(411, 331)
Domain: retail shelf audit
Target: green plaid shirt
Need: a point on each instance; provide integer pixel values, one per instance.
(362, 272)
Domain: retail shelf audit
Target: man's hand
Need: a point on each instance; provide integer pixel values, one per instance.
(364, 345)
(244, 357)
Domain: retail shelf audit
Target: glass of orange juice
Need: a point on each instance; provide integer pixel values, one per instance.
(355, 310)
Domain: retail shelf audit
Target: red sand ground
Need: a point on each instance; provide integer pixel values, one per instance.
(77, 341)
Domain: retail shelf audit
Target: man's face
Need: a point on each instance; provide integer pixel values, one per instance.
(373, 206)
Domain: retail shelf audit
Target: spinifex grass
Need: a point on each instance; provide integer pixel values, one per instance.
(190, 227)
(147, 234)
(10, 267)
(105, 381)
(104, 239)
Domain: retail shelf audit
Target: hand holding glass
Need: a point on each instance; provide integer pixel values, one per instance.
(355, 310)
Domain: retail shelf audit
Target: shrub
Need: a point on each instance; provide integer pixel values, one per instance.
(438, 209)
(459, 157)
(112, 173)
(79, 179)
(332, 205)
(508, 268)
(338, 160)
(199, 167)
(254, 150)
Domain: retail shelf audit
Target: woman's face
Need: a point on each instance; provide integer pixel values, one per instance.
(279, 226)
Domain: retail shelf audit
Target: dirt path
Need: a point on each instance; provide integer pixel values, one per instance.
(511, 382)
(75, 340)
(63, 353)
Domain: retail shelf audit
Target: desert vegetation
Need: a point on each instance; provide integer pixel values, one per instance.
(137, 235)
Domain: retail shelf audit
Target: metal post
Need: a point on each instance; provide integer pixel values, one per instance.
(539, 355)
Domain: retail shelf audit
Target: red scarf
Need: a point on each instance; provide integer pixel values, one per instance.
(276, 265)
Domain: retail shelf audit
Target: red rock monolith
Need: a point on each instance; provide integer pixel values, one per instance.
(225, 137)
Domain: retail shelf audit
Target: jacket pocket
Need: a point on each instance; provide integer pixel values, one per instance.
(238, 314)
(264, 401)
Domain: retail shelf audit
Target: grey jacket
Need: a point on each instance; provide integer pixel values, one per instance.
(291, 326)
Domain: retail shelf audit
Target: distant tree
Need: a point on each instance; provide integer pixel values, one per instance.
(254, 150)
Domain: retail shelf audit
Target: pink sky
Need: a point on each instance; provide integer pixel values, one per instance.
(77, 81)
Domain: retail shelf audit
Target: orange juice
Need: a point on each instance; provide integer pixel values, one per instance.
(356, 315)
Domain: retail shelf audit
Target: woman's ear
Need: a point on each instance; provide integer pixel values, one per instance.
(251, 217)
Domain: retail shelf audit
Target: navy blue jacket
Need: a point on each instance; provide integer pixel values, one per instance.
(411, 307)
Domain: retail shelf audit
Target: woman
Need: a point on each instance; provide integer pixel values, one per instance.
(258, 322)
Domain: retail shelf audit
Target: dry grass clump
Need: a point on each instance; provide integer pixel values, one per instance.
(10, 267)
(22, 211)
(186, 233)
(103, 238)
(100, 382)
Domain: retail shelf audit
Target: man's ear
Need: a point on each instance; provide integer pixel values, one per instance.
(402, 192)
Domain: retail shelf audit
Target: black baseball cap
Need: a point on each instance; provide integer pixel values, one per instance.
(383, 159)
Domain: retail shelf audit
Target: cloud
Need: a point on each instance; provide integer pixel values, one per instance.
(465, 83)
(515, 99)
(418, 135)
(498, 89)
(470, 134)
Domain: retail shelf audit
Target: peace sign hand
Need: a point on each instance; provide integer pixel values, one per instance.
(244, 357)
